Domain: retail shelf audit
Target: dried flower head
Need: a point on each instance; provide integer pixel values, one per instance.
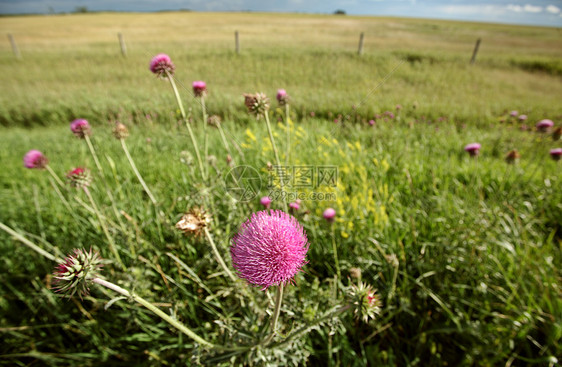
(544, 125)
(194, 221)
(329, 214)
(257, 104)
(355, 273)
(473, 149)
(265, 201)
(282, 97)
(365, 301)
(199, 88)
(81, 128)
(79, 177)
(556, 154)
(72, 276)
(34, 159)
(269, 249)
(120, 131)
(557, 134)
(214, 120)
(512, 156)
(162, 65)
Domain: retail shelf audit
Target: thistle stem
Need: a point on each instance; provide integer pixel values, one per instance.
(223, 137)
(206, 136)
(137, 173)
(93, 151)
(288, 148)
(335, 250)
(175, 323)
(275, 316)
(50, 170)
(218, 256)
(28, 243)
(189, 130)
(274, 150)
(112, 246)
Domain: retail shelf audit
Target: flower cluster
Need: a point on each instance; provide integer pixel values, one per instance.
(162, 66)
(269, 249)
(76, 271)
(257, 104)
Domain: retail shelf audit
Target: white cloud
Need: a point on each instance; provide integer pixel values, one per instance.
(553, 9)
(472, 9)
(532, 9)
(515, 8)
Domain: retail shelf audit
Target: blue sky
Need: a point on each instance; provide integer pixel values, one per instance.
(539, 12)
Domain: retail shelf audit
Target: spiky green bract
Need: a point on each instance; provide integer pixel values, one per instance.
(78, 269)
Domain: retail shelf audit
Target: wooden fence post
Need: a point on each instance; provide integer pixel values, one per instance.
(361, 37)
(122, 44)
(473, 59)
(236, 42)
(15, 48)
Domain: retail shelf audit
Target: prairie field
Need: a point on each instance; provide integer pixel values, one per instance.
(463, 250)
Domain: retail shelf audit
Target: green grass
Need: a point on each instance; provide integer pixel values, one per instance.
(477, 241)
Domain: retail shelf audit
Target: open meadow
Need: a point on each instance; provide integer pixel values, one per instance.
(434, 255)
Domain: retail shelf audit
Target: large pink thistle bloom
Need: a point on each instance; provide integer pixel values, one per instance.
(269, 249)
(34, 159)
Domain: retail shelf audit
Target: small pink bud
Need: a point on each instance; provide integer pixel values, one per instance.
(473, 149)
(80, 128)
(329, 214)
(199, 89)
(265, 201)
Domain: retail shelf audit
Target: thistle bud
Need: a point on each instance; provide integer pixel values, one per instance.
(79, 177)
(120, 131)
(78, 269)
(512, 156)
(257, 104)
(365, 301)
(214, 120)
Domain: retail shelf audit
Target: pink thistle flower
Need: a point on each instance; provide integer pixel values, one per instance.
(371, 122)
(513, 113)
(282, 97)
(80, 128)
(295, 205)
(265, 201)
(556, 154)
(329, 214)
(78, 269)
(544, 125)
(34, 159)
(473, 149)
(162, 65)
(398, 107)
(199, 88)
(523, 118)
(269, 249)
(79, 177)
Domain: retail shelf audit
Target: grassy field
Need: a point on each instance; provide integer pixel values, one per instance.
(464, 251)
